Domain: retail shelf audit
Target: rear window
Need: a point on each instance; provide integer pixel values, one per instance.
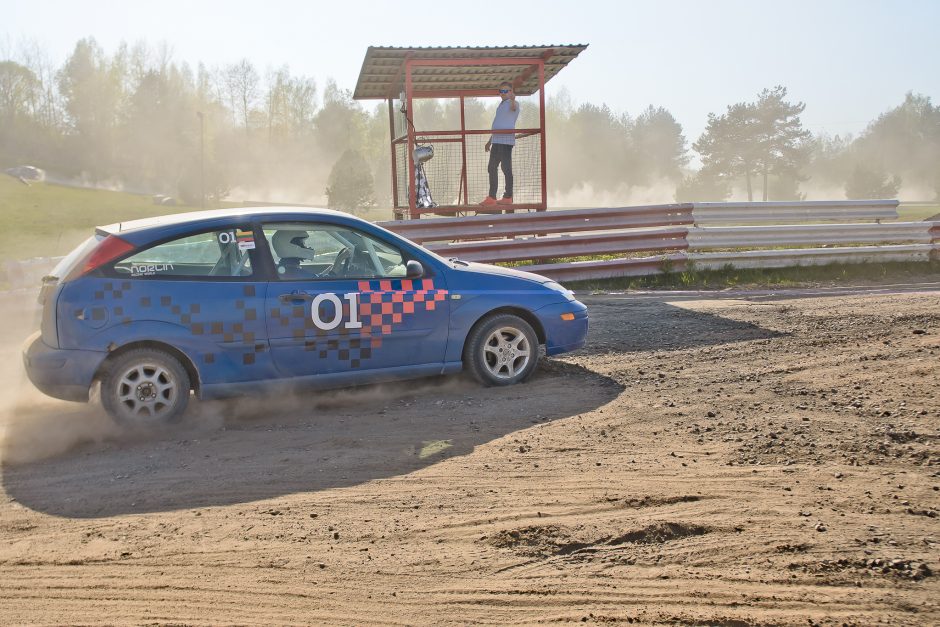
(221, 254)
(68, 263)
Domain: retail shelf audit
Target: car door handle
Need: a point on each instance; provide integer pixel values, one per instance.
(294, 296)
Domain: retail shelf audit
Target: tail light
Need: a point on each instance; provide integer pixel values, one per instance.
(109, 249)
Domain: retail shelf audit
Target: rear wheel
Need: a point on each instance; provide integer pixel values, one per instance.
(502, 350)
(145, 387)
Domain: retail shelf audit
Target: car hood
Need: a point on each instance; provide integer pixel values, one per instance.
(485, 268)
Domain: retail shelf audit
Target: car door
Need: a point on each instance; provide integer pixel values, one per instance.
(199, 292)
(340, 303)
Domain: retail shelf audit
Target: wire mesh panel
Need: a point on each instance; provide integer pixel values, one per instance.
(401, 176)
(399, 122)
(444, 170)
(454, 182)
(458, 173)
(526, 169)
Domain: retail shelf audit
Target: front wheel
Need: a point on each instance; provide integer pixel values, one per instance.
(145, 387)
(502, 350)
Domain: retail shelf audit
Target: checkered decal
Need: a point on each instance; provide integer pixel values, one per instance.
(115, 297)
(382, 305)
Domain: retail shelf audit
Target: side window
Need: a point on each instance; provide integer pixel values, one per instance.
(311, 251)
(214, 254)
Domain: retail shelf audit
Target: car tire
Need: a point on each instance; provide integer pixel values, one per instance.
(501, 350)
(145, 388)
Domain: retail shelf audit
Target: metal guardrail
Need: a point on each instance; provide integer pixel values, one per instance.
(541, 223)
(807, 234)
(556, 247)
(610, 268)
(807, 211)
(679, 233)
(812, 256)
(626, 231)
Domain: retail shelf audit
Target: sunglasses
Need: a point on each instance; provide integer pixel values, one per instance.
(504, 91)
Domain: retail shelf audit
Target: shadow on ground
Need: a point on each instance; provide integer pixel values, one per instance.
(637, 325)
(70, 460)
(253, 449)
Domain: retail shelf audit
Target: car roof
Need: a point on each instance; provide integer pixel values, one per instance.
(242, 213)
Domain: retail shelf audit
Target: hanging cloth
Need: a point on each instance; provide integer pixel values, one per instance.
(423, 199)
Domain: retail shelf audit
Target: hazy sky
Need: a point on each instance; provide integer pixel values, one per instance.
(848, 60)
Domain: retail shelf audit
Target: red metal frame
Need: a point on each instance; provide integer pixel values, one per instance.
(463, 151)
(535, 65)
(391, 126)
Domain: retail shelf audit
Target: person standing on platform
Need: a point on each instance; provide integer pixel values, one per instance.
(500, 145)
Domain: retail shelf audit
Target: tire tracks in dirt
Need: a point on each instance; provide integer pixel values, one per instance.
(709, 459)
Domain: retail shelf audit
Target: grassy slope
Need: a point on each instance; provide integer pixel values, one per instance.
(915, 213)
(43, 220)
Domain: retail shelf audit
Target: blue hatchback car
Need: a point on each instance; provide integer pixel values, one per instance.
(244, 301)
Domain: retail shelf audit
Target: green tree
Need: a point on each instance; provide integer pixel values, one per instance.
(91, 88)
(242, 85)
(376, 152)
(754, 139)
(904, 141)
(866, 183)
(301, 105)
(18, 92)
(340, 123)
(782, 142)
(729, 147)
(592, 147)
(290, 106)
(659, 144)
(159, 127)
(351, 186)
(830, 158)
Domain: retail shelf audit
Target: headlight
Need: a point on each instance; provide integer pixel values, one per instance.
(558, 287)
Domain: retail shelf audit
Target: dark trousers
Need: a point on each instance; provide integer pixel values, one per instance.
(500, 156)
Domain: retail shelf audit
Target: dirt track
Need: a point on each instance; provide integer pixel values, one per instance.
(730, 459)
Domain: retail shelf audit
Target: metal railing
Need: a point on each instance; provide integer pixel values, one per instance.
(651, 239)
(700, 234)
(701, 238)
(790, 211)
(541, 223)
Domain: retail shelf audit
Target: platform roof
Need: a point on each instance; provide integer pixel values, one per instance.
(382, 75)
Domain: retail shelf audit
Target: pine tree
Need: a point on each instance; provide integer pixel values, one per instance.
(752, 139)
(351, 186)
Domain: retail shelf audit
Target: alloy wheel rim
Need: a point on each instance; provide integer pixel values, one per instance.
(147, 391)
(506, 352)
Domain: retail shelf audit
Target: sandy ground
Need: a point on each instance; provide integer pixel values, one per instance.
(733, 458)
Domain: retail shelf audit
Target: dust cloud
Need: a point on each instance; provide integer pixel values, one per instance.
(586, 195)
(303, 405)
(277, 195)
(34, 427)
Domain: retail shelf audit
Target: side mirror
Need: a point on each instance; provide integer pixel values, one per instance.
(414, 270)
